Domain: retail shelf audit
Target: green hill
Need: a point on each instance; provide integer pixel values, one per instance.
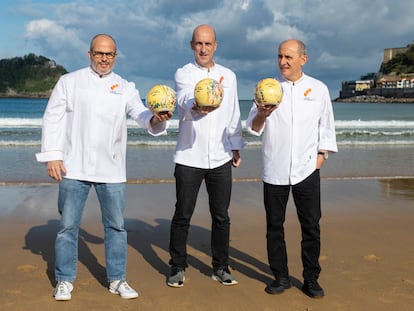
(28, 76)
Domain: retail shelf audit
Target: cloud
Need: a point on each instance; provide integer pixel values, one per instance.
(344, 39)
(54, 38)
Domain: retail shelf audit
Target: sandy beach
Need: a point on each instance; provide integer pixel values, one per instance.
(367, 255)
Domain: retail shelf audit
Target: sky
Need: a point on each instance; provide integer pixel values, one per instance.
(344, 39)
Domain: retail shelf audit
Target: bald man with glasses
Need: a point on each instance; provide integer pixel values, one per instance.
(84, 136)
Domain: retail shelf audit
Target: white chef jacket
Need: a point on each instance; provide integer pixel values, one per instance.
(84, 125)
(207, 141)
(293, 134)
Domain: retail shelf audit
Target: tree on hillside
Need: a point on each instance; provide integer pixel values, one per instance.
(400, 64)
(29, 74)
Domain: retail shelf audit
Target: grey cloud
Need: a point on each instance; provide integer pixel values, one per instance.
(345, 39)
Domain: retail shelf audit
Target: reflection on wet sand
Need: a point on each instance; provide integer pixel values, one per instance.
(403, 187)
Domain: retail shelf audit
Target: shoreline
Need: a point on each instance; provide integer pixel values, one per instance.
(27, 96)
(158, 181)
(375, 100)
(157, 165)
(363, 268)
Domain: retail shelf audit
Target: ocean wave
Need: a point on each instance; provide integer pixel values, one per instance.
(342, 124)
(26, 132)
(152, 143)
(37, 123)
(20, 122)
(19, 143)
(138, 134)
(256, 143)
(375, 143)
(356, 133)
(374, 124)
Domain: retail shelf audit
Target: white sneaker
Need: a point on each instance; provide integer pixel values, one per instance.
(63, 290)
(120, 287)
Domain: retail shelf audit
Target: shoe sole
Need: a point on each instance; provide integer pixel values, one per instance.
(62, 298)
(274, 292)
(176, 285)
(216, 278)
(286, 285)
(123, 297)
(129, 297)
(312, 296)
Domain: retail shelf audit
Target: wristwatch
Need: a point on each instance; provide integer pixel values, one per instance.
(324, 154)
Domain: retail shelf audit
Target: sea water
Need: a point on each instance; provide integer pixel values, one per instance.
(363, 129)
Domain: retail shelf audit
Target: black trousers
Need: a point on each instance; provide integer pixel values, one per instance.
(306, 196)
(218, 183)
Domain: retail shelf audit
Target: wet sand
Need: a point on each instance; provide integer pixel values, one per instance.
(367, 255)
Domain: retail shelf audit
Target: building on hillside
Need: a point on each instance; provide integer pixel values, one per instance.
(377, 84)
(406, 83)
(387, 82)
(355, 87)
(392, 81)
(386, 86)
(390, 53)
(51, 64)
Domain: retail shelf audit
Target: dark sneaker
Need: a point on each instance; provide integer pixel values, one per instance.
(278, 286)
(176, 278)
(224, 277)
(313, 289)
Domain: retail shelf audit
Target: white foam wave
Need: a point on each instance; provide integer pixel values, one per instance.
(374, 133)
(343, 124)
(20, 122)
(19, 143)
(152, 143)
(138, 143)
(374, 124)
(165, 143)
(133, 124)
(375, 142)
(37, 123)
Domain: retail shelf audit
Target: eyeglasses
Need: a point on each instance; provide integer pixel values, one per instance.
(98, 54)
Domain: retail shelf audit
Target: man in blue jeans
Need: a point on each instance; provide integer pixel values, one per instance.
(208, 146)
(297, 137)
(84, 137)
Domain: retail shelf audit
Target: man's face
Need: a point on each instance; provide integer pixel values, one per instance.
(204, 45)
(103, 55)
(290, 61)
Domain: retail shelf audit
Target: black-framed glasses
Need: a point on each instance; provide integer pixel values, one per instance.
(99, 54)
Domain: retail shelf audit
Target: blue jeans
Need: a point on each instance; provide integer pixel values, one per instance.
(306, 196)
(218, 183)
(71, 203)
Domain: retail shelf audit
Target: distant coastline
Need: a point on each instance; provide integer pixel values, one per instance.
(40, 96)
(13, 94)
(375, 99)
(354, 99)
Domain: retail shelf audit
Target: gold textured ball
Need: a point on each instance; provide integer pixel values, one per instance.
(161, 98)
(268, 92)
(208, 92)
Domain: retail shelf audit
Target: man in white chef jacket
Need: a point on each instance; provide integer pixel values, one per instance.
(84, 137)
(297, 137)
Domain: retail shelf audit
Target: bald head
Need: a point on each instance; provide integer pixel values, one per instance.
(204, 45)
(99, 37)
(102, 54)
(203, 28)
